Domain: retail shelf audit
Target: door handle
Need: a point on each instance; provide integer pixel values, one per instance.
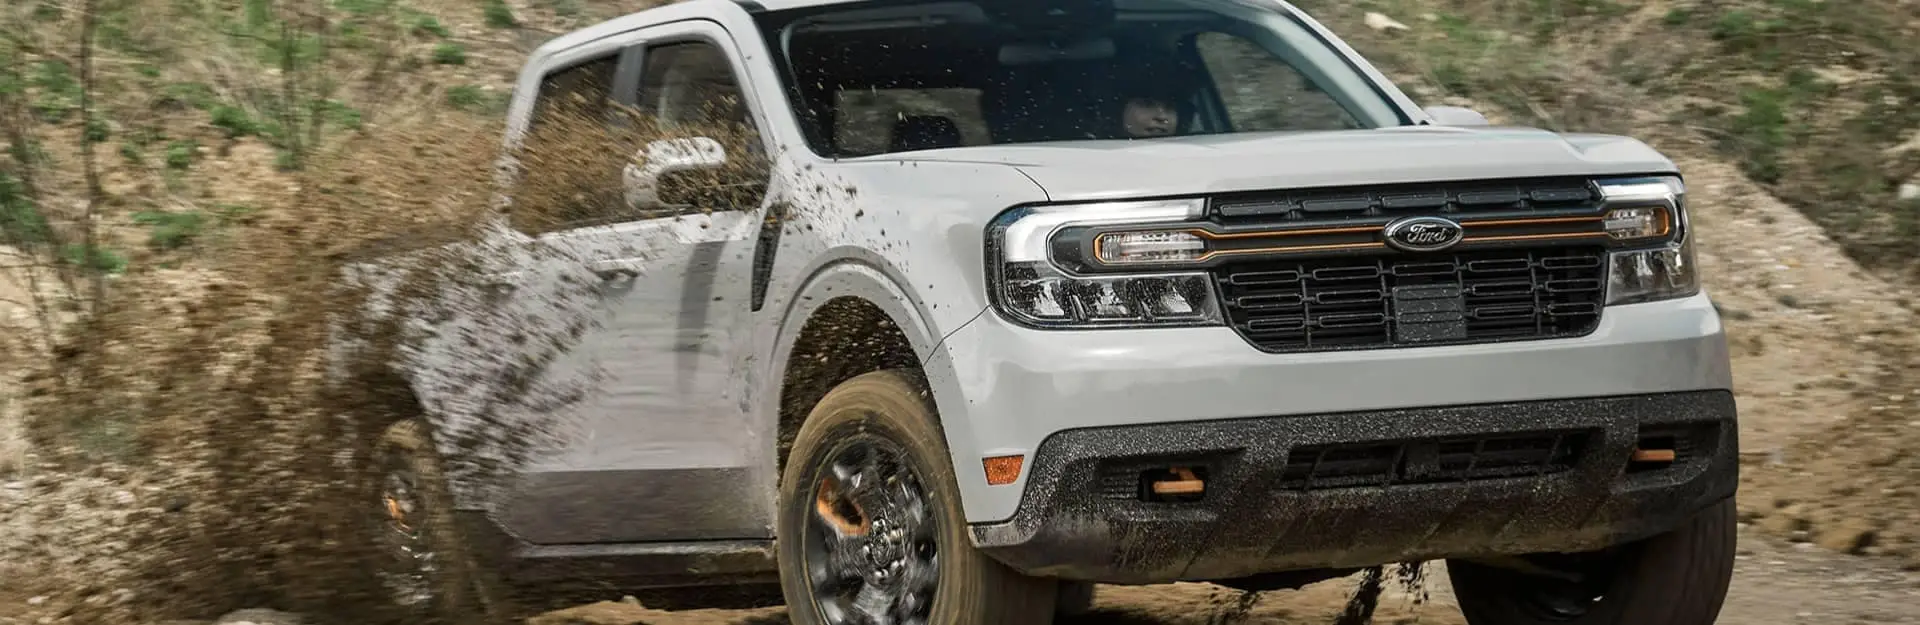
(500, 283)
(610, 274)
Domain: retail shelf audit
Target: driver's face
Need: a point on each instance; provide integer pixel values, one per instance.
(1148, 118)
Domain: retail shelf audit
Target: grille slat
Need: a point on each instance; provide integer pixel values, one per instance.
(1407, 300)
(1433, 460)
(1525, 195)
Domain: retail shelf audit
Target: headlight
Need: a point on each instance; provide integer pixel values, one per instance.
(1027, 286)
(1649, 208)
(1665, 272)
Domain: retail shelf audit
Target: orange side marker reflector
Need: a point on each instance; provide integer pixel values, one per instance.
(1653, 455)
(1003, 470)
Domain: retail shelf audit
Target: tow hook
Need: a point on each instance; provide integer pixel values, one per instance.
(1177, 484)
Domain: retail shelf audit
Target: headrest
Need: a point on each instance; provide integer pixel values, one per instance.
(924, 132)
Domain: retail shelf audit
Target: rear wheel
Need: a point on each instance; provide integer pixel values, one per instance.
(1676, 578)
(427, 568)
(870, 525)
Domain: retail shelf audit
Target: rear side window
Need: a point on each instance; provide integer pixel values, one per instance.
(570, 165)
(689, 86)
(581, 89)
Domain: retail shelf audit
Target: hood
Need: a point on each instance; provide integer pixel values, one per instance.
(1094, 170)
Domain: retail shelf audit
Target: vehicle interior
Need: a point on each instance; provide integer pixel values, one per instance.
(891, 76)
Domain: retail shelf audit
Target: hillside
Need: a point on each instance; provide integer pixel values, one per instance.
(238, 144)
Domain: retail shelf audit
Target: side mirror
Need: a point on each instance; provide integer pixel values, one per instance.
(660, 176)
(1455, 116)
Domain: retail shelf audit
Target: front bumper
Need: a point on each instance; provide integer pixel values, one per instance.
(1298, 492)
(1004, 390)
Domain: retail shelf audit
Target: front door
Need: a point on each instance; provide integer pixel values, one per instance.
(661, 447)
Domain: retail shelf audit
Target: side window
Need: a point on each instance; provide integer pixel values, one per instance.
(574, 91)
(1263, 93)
(571, 177)
(688, 90)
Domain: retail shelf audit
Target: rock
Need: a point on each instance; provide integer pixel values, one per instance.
(1910, 191)
(1852, 535)
(1382, 23)
(259, 616)
(37, 600)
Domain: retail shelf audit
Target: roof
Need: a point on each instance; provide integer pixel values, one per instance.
(698, 8)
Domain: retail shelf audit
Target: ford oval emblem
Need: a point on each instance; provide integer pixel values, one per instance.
(1424, 234)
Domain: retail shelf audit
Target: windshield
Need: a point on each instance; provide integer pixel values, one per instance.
(890, 76)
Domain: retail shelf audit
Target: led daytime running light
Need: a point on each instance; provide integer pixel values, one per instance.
(1116, 248)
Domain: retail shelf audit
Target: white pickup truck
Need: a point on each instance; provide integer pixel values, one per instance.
(1022, 296)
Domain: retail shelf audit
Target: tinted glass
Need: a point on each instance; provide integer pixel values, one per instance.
(889, 76)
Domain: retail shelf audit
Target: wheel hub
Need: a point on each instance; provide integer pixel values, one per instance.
(870, 547)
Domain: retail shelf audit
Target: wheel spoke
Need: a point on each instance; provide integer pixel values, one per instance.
(917, 517)
(868, 480)
(921, 574)
(875, 604)
(833, 570)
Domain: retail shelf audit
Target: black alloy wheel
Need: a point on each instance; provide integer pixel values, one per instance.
(872, 549)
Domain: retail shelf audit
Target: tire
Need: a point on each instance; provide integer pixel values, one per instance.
(1676, 578)
(882, 419)
(457, 589)
(1076, 599)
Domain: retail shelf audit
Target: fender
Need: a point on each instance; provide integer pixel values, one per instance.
(853, 276)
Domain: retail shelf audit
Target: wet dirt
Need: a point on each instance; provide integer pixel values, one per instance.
(1775, 583)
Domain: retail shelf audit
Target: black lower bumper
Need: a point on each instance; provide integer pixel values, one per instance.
(1361, 489)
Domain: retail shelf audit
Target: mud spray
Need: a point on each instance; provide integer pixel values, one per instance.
(257, 384)
(1411, 576)
(1360, 606)
(1237, 611)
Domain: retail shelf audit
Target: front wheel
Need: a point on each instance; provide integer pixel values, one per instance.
(870, 525)
(1676, 578)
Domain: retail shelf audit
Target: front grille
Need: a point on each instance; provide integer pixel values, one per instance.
(1428, 461)
(1407, 300)
(1458, 199)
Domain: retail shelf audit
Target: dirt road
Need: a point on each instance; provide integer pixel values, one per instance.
(1775, 584)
